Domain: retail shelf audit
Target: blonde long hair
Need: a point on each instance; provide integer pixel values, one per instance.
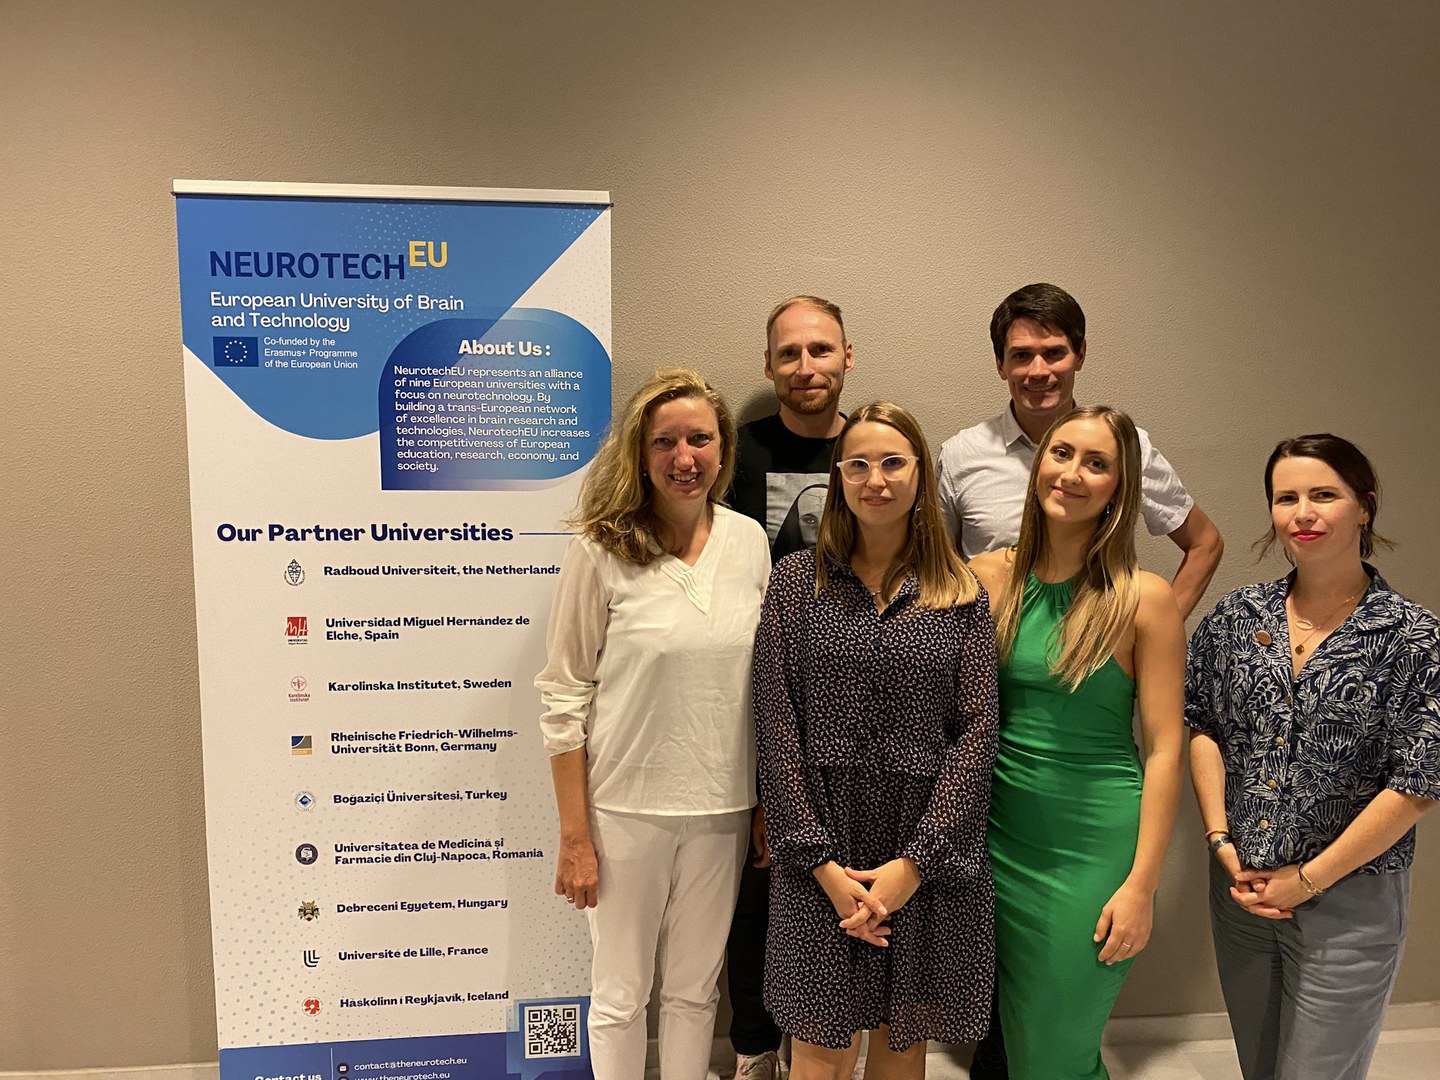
(944, 579)
(1107, 588)
(616, 507)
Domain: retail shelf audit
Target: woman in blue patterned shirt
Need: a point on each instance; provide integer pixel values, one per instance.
(1314, 704)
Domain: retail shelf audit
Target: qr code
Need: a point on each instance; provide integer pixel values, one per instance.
(552, 1031)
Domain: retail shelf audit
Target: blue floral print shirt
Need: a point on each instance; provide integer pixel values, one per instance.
(1304, 756)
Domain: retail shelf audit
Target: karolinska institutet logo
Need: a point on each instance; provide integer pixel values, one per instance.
(297, 630)
(294, 573)
(297, 689)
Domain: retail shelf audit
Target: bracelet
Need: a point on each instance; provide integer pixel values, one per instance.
(1221, 838)
(1306, 883)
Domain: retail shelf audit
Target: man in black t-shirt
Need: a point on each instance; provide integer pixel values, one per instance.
(783, 461)
(782, 465)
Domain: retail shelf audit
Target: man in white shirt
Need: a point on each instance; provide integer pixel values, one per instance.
(1038, 334)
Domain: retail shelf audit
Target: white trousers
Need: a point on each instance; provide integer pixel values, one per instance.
(668, 882)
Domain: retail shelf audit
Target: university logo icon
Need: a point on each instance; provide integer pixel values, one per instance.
(309, 910)
(301, 746)
(311, 958)
(294, 573)
(297, 630)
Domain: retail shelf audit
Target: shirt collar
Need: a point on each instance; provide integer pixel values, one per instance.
(908, 586)
(1010, 428)
(1380, 607)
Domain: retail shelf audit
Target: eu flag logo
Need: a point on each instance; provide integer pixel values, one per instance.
(237, 351)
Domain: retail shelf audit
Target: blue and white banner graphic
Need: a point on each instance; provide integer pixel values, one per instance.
(392, 394)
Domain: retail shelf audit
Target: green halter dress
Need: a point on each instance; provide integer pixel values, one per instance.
(1064, 817)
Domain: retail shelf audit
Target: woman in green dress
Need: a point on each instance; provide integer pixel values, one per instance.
(1078, 828)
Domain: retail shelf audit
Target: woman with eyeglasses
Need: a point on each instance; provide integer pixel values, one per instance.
(875, 711)
(1078, 828)
(1314, 708)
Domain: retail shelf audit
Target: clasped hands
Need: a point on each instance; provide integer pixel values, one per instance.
(1270, 894)
(865, 899)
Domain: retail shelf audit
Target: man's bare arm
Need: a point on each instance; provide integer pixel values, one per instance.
(1202, 545)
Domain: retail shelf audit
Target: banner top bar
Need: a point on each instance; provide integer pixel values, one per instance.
(265, 188)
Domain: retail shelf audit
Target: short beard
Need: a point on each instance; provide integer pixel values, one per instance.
(812, 406)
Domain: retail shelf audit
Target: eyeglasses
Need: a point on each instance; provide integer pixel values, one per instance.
(856, 470)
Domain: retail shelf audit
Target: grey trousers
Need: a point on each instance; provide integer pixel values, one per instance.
(1306, 996)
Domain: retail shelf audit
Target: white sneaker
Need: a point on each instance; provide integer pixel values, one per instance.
(764, 1066)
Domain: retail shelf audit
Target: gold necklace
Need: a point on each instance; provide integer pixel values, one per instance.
(1314, 627)
(877, 594)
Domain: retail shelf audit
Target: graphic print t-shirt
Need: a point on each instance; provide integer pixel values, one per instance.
(780, 481)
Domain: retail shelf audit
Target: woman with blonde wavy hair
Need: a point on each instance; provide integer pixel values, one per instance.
(648, 723)
(875, 714)
(1078, 829)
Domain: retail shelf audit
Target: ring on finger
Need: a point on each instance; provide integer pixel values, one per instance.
(1125, 944)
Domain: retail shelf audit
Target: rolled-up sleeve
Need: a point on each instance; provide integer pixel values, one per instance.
(574, 638)
(1414, 751)
(1164, 502)
(1203, 690)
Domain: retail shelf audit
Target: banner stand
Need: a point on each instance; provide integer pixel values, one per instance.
(392, 394)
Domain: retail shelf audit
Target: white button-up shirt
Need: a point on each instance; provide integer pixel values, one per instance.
(648, 667)
(985, 469)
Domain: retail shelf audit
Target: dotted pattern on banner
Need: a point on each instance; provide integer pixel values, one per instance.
(578, 284)
(585, 296)
(538, 946)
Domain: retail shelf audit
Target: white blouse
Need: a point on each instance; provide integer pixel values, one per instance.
(650, 666)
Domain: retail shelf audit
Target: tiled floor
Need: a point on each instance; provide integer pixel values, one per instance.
(1403, 1055)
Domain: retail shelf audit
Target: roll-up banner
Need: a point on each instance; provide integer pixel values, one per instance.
(392, 394)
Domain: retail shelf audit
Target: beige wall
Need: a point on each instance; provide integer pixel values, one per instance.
(1242, 196)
